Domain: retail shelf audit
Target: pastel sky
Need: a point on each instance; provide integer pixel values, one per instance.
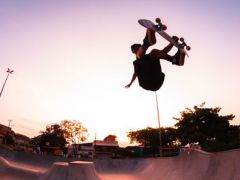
(72, 59)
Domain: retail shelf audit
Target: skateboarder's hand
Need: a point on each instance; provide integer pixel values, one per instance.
(128, 86)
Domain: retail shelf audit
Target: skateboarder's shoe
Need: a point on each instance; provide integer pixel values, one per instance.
(176, 58)
(175, 38)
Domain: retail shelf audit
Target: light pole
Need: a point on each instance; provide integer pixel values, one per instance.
(159, 126)
(9, 72)
(9, 123)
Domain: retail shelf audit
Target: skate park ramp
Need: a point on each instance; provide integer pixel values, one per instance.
(10, 171)
(188, 165)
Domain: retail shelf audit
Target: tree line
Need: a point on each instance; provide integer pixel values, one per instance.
(58, 135)
(201, 125)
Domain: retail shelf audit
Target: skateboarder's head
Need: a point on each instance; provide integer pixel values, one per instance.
(135, 47)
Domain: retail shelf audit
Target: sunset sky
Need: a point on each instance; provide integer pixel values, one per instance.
(72, 59)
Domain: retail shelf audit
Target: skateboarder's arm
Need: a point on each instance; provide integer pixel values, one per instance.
(132, 80)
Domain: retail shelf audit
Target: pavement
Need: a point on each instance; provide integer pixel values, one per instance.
(189, 165)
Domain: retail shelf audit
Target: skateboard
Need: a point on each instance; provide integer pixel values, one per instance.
(160, 29)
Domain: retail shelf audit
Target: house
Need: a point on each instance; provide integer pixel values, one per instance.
(98, 148)
(4, 131)
(22, 142)
(21, 139)
(106, 148)
(83, 150)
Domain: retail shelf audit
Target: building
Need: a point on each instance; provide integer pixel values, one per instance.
(98, 148)
(22, 142)
(4, 131)
(107, 147)
(21, 139)
(83, 150)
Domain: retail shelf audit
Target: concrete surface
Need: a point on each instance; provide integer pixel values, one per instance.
(195, 165)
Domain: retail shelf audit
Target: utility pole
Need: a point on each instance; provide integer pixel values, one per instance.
(9, 130)
(9, 123)
(9, 72)
(159, 126)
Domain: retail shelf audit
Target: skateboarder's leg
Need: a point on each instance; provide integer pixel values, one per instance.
(178, 58)
(167, 48)
(150, 39)
(151, 36)
(160, 54)
(181, 58)
(170, 46)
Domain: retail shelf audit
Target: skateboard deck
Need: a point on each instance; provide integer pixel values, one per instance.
(150, 25)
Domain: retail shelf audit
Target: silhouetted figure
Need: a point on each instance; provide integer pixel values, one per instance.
(147, 67)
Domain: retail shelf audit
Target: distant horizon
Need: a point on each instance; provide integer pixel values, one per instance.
(72, 60)
(121, 143)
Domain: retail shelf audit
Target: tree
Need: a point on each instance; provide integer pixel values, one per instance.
(74, 131)
(9, 139)
(149, 137)
(205, 126)
(53, 136)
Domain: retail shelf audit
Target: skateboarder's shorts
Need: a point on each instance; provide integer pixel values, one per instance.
(152, 84)
(149, 73)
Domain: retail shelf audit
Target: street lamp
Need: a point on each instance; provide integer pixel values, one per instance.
(9, 72)
(159, 126)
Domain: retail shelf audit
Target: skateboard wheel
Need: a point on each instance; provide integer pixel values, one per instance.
(175, 38)
(164, 27)
(182, 39)
(188, 48)
(158, 20)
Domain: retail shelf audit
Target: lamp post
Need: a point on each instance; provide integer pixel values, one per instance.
(9, 72)
(159, 126)
(9, 122)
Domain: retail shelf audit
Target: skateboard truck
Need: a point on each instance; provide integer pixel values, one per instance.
(159, 25)
(183, 44)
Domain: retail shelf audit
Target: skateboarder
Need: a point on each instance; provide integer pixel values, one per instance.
(147, 67)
